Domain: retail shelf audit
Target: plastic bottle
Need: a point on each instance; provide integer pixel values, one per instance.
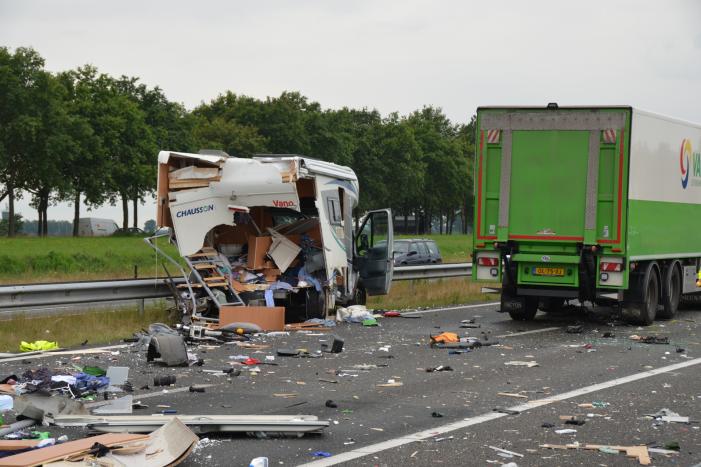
(259, 462)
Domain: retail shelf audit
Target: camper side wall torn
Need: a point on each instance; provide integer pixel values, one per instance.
(272, 231)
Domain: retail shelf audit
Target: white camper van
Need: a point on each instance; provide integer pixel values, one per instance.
(271, 231)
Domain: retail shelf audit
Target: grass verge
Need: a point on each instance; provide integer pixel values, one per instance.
(431, 293)
(59, 259)
(97, 327)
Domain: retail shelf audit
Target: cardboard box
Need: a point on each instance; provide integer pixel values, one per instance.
(268, 318)
(257, 249)
(271, 274)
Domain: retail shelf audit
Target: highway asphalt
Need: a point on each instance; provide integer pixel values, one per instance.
(445, 417)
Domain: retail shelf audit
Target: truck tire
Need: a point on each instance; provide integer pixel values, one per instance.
(642, 309)
(519, 308)
(671, 292)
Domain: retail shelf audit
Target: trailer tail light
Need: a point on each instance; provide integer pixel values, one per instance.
(609, 136)
(485, 261)
(611, 267)
(611, 271)
(488, 265)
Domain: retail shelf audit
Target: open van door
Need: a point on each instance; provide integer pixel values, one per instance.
(373, 252)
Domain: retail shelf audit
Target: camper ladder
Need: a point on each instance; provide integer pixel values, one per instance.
(205, 266)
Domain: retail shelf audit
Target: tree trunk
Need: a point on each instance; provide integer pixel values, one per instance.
(11, 209)
(440, 224)
(76, 214)
(136, 212)
(125, 212)
(45, 216)
(40, 213)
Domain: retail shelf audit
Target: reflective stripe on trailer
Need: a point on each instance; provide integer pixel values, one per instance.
(493, 136)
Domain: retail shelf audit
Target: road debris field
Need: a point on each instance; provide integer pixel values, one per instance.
(564, 389)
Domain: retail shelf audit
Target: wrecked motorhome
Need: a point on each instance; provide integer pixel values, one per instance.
(270, 239)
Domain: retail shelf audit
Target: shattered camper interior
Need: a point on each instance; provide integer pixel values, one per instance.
(251, 233)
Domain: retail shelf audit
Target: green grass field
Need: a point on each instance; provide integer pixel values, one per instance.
(59, 259)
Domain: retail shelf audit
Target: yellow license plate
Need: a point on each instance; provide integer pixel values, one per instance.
(549, 271)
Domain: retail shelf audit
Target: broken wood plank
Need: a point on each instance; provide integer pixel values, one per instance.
(61, 451)
(639, 452)
(512, 394)
(214, 279)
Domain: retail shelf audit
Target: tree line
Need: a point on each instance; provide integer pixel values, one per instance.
(90, 138)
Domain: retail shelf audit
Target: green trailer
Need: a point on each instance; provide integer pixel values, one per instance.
(596, 204)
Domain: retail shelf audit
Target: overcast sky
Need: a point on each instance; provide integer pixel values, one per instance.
(388, 55)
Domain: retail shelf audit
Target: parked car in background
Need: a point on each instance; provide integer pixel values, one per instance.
(413, 251)
(129, 231)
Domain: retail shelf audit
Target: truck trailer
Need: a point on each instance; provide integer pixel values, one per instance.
(272, 232)
(595, 204)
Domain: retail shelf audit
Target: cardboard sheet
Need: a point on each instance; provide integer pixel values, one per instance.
(268, 318)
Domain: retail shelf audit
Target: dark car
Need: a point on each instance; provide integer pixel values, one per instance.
(413, 251)
(129, 232)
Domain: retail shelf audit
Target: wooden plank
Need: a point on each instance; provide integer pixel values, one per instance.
(214, 279)
(217, 284)
(203, 255)
(184, 286)
(17, 444)
(61, 451)
(205, 266)
(181, 184)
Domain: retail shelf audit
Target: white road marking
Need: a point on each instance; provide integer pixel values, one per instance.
(463, 307)
(534, 331)
(489, 416)
(58, 353)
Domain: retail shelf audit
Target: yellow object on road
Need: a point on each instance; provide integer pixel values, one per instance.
(37, 345)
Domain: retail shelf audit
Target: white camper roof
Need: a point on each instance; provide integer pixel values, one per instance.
(311, 165)
(305, 164)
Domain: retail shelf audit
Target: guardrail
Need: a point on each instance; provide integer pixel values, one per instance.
(432, 271)
(67, 293)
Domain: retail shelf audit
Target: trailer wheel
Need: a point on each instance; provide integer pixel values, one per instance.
(671, 292)
(642, 309)
(519, 308)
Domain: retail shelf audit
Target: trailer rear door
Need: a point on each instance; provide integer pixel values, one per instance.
(551, 175)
